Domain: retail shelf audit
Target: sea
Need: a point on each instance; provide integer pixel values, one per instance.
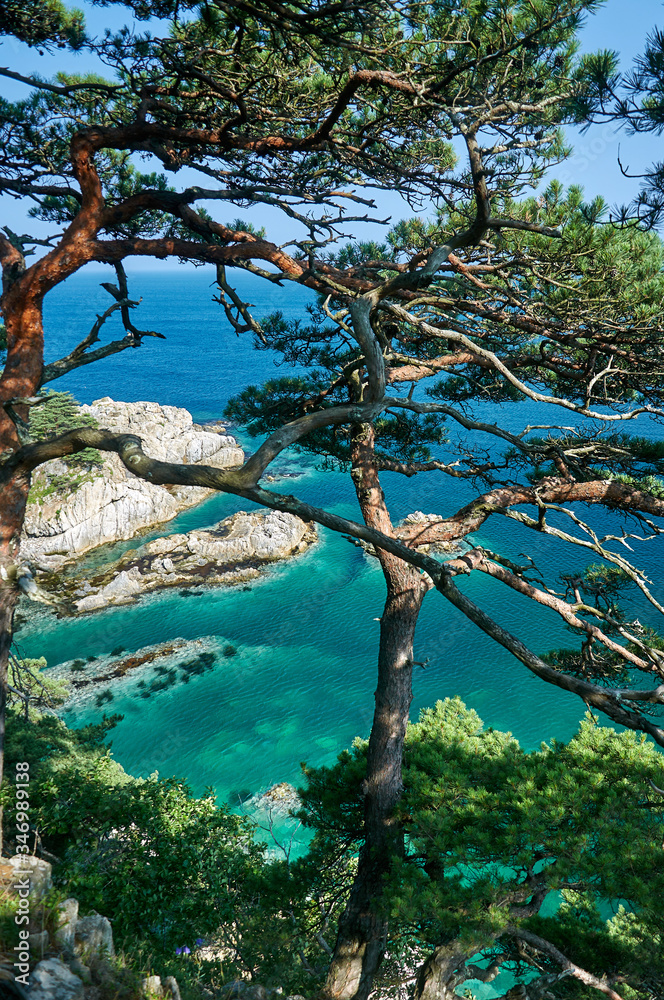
(301, 685)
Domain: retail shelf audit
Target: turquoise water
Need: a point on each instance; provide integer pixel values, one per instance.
(301, 685)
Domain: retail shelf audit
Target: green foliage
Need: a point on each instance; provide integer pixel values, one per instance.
(490, 829)
(32, 691)
(170, 869)
(59, 414)
(493, 833)
(166, 865)
(635, 99)
(243, 226)
(45, 23)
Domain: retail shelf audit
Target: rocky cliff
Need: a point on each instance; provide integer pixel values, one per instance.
(70, 513)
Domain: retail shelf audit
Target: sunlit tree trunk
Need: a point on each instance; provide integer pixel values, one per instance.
(22, 304)
(363, 927)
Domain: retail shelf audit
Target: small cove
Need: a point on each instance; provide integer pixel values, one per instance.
(301, 685)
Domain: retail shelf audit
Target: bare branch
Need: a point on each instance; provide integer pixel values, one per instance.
(602, 699)
(65, 89)
(499, 366)
(540, 944)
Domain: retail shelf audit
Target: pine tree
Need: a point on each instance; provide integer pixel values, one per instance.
(307, 109)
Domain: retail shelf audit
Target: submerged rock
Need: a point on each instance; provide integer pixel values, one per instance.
(70, 513)
(278, 800)
(233, 551)
(143, 673)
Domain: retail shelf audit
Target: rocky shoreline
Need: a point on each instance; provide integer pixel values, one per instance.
(75, 509)
(71, 512)
(234, 551)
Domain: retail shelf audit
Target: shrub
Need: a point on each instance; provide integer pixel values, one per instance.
(59, 414)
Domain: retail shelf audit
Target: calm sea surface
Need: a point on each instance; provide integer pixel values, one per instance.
(301, 685)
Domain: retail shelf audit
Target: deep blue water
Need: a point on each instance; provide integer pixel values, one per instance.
(301, 685)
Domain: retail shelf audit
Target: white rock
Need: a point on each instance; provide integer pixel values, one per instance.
(34, 869)
(152, 987)
(93, 935)
(38, 942)
(92, 603)
(171, 988)
(279, 799)
(236, 545)
(67, 917)
(115, 505)
(52, 980)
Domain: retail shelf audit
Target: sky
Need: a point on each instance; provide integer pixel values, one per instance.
(621, 25)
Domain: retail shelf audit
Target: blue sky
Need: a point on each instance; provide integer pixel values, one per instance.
(620, 24)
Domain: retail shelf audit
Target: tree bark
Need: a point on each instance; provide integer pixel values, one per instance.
(435, 980)
(362, 934)
(22, 308)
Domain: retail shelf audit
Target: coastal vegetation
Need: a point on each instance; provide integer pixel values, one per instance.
(542, 865)
(497, 297)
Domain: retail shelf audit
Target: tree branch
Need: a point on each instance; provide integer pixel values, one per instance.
(540, 944)
(241, 482)
(523, 388)
(602, 699)
(477, 559)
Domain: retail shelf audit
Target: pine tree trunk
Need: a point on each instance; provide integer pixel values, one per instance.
(22, 310)
(436, 979)
(363, 927)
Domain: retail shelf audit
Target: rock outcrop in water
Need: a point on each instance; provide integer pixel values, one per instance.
(69, 514)
(279, 800)
(233, 551)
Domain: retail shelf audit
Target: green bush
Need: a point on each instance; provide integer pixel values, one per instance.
(168, 867)
(59, 414)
